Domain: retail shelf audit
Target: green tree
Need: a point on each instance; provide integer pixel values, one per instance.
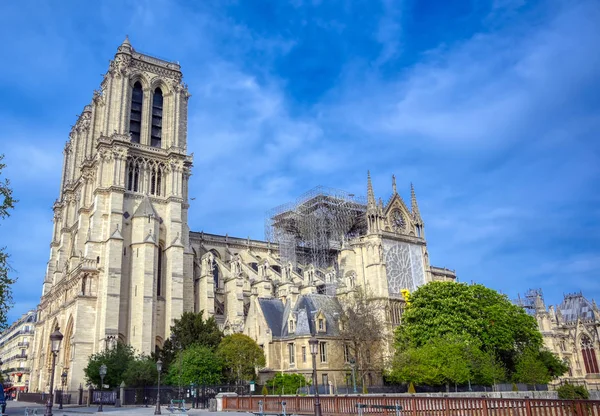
(190, 329)
(483, 316)
(530, 369)
(197, 364)
(287, 383)
(7, 203)
(117, 361)
(555, 366)
(141, 371)
(241, 355)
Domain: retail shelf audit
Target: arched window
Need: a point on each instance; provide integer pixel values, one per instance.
(157, 111)
(215, 270)
(589, 355)
(135, 117)
(156, 180)
(159, 273)
(133, 175)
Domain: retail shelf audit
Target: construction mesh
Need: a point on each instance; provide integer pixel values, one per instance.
(314, 227)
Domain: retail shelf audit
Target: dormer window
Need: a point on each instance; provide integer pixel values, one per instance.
(135, 116)
(291, 326)
(157, 111)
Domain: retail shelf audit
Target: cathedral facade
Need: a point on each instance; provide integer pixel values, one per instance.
(124, 264)
(571, 330)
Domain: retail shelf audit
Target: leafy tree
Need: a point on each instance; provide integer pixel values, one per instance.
(241, 355)
(197, 364)
(190, 329)
(481, 315)
(7, 203)
(117, 361)
(362, 329)
(530, 369)
(555, 366)
(287, 383)
(141, 372)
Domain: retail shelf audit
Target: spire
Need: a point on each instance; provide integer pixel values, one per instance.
(394, 190)
(370, 193)
(413, 204)
(125, 47)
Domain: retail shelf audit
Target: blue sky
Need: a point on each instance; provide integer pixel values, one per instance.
(490, 107)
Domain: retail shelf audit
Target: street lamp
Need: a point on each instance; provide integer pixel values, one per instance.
(353, 367)
(55, 340)
(102, 374)
(63, 379)
(158, 368)
(314, 349)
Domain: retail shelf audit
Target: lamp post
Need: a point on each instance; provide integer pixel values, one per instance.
(314, 349)
(353, 367)
(55, 340)
(158, 368)
(63, 381)
(102, 374)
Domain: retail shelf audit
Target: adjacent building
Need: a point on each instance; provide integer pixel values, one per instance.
(572, 331)
(16, 352)
(124, 264)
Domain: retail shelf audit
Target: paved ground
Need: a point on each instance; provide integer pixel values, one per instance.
(18, 408)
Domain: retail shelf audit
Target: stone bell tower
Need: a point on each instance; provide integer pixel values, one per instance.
(120, 266)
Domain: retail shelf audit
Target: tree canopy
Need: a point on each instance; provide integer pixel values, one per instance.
(141, 371)
(242, 355)
(453, 333)
(191, 329)
(197, 364)
(117, 361)
(7, 203)
(284, 383)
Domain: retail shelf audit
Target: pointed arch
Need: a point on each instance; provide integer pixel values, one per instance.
(588, 353)
(67, 343)
(157, 115)
(135, 116)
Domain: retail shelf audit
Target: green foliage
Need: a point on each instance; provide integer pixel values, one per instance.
(265, 391)
(411, 388)
(514, 387)
(190, 329)
(530, 370)
(117, 361)
(555, 366)
(444, 360)
(141, 372)
(571, 392)
(287, 383)
(484, 319)
(197, 364)
(242, 355)
(7, 203)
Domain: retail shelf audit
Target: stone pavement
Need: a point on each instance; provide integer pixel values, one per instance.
(18, 408)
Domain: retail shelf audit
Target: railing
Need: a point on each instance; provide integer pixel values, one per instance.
(417, 406)
(23, 344)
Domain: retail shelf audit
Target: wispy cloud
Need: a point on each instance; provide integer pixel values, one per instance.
(490, 107)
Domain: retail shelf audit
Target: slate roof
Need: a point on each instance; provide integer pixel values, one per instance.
(575, 306)
(277, 315)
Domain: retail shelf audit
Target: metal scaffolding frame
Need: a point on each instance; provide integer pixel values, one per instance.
(529, 300)
(313, 228)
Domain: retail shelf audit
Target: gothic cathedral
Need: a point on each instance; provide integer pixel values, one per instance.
(124, 264)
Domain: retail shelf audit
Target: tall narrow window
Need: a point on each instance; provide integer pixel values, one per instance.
(135, 118)
(215, 270)
(157, 111)
(159, 272)
(323, 351)
(292, 353)
(589, 355)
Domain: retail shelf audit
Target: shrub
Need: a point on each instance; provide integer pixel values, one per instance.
(571, 392)
(265, 391)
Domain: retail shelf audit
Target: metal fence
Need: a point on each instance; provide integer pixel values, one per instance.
(415, 406)
(197, 397)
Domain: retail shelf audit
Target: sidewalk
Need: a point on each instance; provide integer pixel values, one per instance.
(18, 408)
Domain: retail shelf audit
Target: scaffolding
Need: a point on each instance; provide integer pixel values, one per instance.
(313, 228)
(530, 300)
